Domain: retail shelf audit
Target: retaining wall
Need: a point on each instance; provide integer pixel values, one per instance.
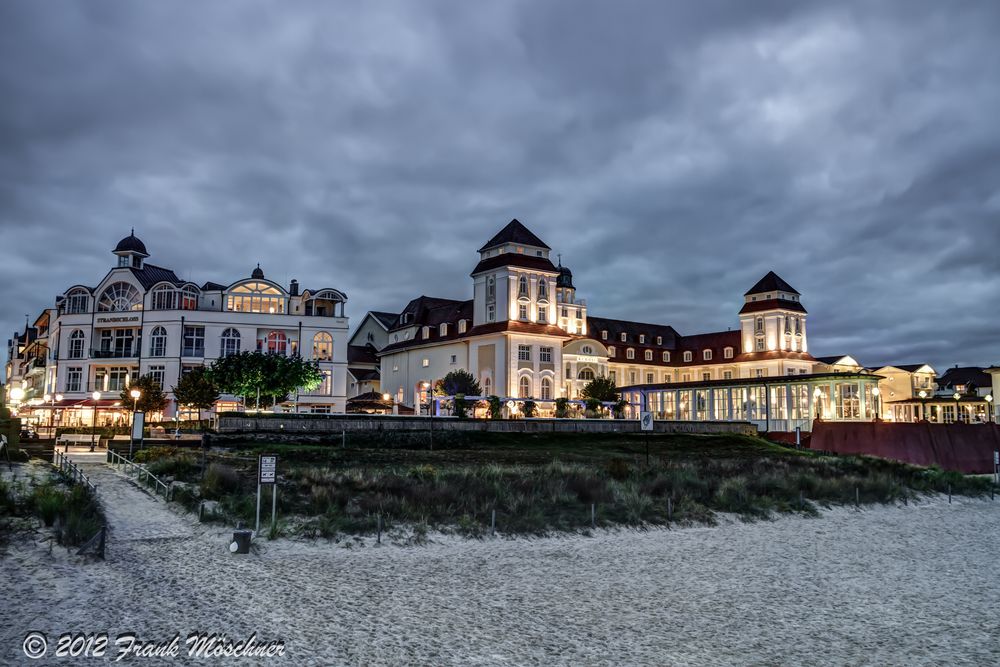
(337, 424)
(966, 448)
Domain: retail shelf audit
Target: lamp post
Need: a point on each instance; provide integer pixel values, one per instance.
(989, 408)
(430, 410)
(958, 406)
(93, 431)
(388, 399)
(135, 394)
(878, 404)
(52, 400)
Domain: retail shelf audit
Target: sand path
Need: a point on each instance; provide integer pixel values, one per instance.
(913, 585)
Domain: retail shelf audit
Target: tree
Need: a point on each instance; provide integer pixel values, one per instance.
(562, 407)
(603, 389)
(462, 382)
(529, 407)
(495, 407)
(271, 376)
(196, 389)
(459, 383)
(151, 397)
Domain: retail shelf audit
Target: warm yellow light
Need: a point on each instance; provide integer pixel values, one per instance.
(135, 393)
(989, 398)
(386, 397)
(16, 394)
(875, 391)
(59, 397)
(47, 398)
(922, 394)
(956, 396)
(96, 396)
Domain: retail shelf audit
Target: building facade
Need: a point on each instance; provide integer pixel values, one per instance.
(525, 333)
(141, 319)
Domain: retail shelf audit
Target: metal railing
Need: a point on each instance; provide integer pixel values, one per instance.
(141, 474)
(71, 470)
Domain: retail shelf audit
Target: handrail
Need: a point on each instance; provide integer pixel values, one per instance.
(71, 470)
(116, 459)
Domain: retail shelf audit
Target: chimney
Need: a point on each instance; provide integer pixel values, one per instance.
(293, 288)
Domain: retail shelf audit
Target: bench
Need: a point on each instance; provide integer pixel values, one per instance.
(68, 439)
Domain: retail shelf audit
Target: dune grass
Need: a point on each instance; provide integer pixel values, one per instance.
(542, 484)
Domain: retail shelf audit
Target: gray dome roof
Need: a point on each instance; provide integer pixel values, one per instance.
(565, 278)
(257, 273)
(131, 243)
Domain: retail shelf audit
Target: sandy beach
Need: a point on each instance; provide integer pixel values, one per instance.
(915, 585)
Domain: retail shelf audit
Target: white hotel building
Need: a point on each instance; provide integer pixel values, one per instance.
(141, 319)
(525, 334)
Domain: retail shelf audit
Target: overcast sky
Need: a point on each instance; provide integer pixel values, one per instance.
(672, 152)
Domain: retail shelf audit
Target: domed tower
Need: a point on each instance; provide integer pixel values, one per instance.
(130, 251)
(258, 273)
(572, 313)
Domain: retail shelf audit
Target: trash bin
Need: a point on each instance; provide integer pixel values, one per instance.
(241, 541)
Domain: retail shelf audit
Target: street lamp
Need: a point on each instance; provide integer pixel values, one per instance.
(958, 406)
(430, 411)
(52, 400)
(387, 398)
(135, 394)
(878, 403)
(93, 431)
(989, 408)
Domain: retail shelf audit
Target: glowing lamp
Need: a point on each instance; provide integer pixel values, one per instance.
(135, 393)
(922, 394)
(96, 396)
(47, 398)
(59, 397)
(386, 397)
(876, 391)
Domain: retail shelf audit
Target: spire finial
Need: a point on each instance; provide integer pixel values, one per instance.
(132, 234)
(559, 255)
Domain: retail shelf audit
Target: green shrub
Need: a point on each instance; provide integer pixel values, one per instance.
(49, 502)
(562, 407)
(183, 465)
(529, 408)
(219, 481)
(150, 454)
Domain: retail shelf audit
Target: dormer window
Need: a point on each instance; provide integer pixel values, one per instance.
(624, 337)
(443, 329)
(706, 355)
(659, 340)
(727, 353)
(611, 350)
(642, 338)
(688, 356)
(462, 326)
(604, 334)
(426, 332)
(649, 355)
(76, 301)
(630, 353)
(666, 357)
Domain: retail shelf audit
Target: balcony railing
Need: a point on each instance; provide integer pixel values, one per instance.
(119, 353)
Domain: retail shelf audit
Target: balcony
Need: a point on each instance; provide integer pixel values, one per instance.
(126, 352)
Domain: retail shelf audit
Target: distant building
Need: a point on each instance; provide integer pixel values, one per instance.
(526, 334)
(142, 319)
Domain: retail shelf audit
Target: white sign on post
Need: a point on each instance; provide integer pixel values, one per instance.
(646, 421)
(267, 469)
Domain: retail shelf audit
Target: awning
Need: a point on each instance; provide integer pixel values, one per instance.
(81, 403)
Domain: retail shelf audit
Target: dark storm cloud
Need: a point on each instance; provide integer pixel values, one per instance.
(673, 154)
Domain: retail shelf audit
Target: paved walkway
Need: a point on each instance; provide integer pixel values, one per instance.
(132, 512)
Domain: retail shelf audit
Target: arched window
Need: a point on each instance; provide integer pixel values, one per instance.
(76, 345)
(487, 386)
(230, 342)
(688, 356)
(585, 374)
(546, 389)
(666, 356)
(728, 353)
(277, 343)
(522, 286)
(189, 298)
(164, 298)
(491, 288)
(649, 355)
(798, 325)
(524, 387)
(323, 346)
(611, 350)
(586, 349)
(543, 290)
(788, 325)
(158, 342)
(760, 324)
(630, 353)
(76, 301)
(119, 298)
(254, 297)
(706, 355)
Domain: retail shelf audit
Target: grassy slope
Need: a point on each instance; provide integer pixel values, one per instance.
(541, 483)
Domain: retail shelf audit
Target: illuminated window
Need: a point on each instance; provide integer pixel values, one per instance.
(189, 298)
(522, 286)
(611, 350)
(323, 346)
(255, 297)
(276, 343)
(585, 374)
(728, 353)
(524, 388)
(546, 389)
(543, 290)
